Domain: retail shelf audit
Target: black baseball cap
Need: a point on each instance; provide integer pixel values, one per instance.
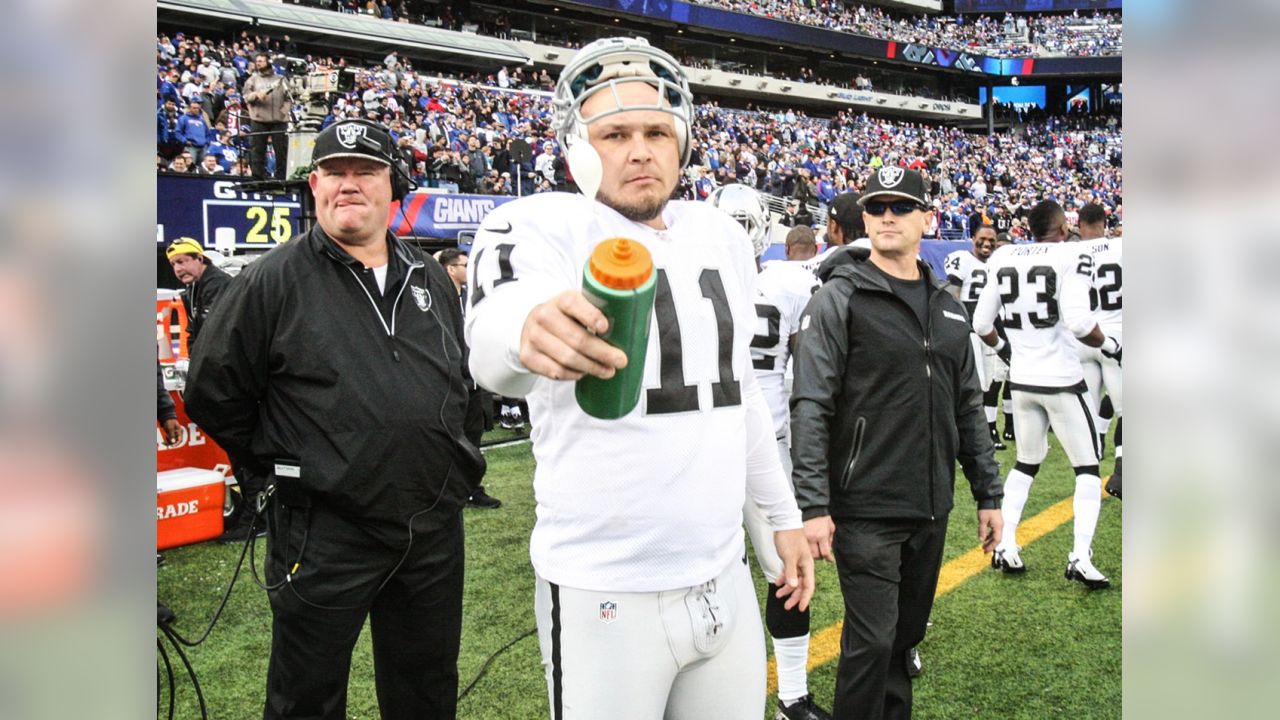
(844, 208)
(891, 182)
(353, 139)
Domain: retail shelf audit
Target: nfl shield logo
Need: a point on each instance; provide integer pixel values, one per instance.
(421, 297)
(608, 611)
(348, 134)
(890, 176)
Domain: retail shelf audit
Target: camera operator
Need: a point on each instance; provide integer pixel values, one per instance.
(267, 95)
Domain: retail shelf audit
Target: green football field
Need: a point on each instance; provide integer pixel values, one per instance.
(1034, 646)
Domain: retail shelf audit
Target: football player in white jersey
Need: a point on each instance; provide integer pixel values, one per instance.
(966, 276)
(1043, 289)
(1106, 299)
(638, 547)
(783, 288)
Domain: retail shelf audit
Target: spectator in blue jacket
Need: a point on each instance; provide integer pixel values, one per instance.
(222, 149)
(193, 130)
(167, 143)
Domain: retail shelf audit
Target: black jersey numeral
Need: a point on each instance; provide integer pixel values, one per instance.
(1040, 278)
(978, 282)
(767, 342)
(1111, 276)
(672, 394)
(505, 273)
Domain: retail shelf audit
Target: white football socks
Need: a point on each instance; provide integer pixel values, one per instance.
(792, 655)
(1016, 489)
(1087, 503)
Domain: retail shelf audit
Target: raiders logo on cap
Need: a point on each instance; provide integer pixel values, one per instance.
(890, 176)
(349, 134)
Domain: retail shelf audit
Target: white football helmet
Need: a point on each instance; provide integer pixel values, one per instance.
(605, 63)
(748, 207)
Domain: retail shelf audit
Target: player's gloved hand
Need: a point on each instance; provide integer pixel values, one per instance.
(1004, 352)
(1111, 348)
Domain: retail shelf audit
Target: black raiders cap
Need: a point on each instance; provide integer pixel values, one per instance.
(353, 139)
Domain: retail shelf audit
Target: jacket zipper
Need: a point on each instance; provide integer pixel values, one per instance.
(390, 330)
(928, 373)
(859, 432)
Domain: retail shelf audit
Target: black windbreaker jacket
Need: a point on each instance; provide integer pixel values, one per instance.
(302, 362)
(881, 408)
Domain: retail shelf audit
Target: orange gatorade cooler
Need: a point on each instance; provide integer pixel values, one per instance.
(188, 506)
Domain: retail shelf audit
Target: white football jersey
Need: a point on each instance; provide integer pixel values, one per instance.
(651, 501)
(783, 289)
(1106, 294)
(970, 272)
(813, 263)
(1041, 292)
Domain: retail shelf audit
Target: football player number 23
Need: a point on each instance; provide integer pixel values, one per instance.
(278, 218)
(1040, 278)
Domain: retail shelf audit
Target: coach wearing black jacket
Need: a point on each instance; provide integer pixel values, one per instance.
(886, 398)
(335, 368)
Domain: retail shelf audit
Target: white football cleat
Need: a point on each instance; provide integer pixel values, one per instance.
(1008, 560)
(1081, 569)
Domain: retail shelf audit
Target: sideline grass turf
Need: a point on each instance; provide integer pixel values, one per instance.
(1033, 646)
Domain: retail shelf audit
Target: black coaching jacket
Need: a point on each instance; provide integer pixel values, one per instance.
(306, 363)
(881, 407)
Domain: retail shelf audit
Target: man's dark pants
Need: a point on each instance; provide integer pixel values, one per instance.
(888, 574)
(415, 615)
(275, 132)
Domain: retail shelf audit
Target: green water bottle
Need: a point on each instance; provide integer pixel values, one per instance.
(619, 279)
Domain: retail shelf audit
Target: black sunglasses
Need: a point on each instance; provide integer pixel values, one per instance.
(898, 207)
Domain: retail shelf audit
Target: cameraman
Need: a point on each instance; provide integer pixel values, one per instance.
(267, 95)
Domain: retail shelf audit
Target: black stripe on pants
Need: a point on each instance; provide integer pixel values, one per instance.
(1093, 429)
(557, 670)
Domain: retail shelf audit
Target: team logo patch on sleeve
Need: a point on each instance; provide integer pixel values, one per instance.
(608, 611)
(421, 297)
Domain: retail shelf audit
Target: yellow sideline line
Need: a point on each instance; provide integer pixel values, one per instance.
(824, 645)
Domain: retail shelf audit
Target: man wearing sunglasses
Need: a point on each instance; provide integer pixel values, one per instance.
(886, 396)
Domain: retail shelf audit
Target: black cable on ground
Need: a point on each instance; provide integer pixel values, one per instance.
(226, 596)
(484, 668)
(168, 668)
(191, 672)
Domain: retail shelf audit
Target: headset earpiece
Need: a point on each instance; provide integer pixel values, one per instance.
(401, 181)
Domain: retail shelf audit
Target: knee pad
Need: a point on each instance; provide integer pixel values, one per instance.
(991, 397)
(1086, 470)
(783, 623)
(1105, 409)
(1029, 469)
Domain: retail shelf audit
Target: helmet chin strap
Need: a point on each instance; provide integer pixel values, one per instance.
(584, 164)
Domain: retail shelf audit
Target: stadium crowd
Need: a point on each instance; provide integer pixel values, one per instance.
(470, 134)
(1097, 34)
(1043, 34)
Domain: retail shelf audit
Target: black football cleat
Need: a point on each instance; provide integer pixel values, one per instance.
(802, 709)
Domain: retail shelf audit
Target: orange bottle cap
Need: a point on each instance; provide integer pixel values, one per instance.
(621, 264)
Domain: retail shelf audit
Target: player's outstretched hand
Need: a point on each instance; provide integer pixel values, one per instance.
(557, 343)
(796, 582)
